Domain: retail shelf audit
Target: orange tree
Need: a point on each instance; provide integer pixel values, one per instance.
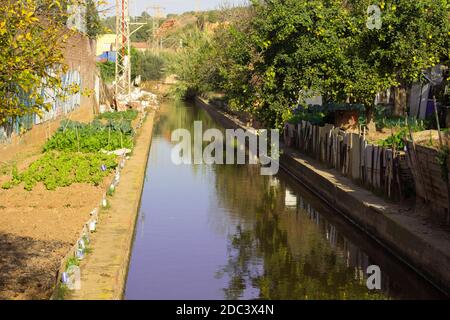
(413, 36)
(294, 47)
(33, 35)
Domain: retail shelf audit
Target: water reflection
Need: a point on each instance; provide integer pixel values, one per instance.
(215, 232)
(288, 251)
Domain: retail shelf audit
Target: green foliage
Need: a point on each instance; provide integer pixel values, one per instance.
(442, 160)
(63, 169)
(73, 136)
(111, 191)
(414, 36)
(72, 154)
(109, 24)
(312, 115)
(384, 120)
(33, 36)
(194, 65)
(107, 71)
(402, 126)
(61, 291)
(147, 64)
(93, 22)
(72, 261)
(143, 34)
(317, 114)
(396, 140)
(275, 53)
(128, 115)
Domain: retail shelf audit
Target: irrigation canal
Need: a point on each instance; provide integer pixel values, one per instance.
(226, 232)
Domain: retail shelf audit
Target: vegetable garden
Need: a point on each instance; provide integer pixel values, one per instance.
(77, 153)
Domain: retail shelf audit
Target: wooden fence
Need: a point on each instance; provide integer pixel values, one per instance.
(382, 170)
(430, 184)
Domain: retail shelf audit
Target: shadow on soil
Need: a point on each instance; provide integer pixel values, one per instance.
(28, 266)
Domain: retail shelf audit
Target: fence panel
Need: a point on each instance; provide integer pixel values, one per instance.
(373, 166)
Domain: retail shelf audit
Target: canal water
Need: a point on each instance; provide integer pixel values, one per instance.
(226, 232)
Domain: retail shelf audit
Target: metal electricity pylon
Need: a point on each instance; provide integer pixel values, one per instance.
(156, 17)
(123, 63)
(123, 58)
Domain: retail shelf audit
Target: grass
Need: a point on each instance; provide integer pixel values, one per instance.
(72, 261)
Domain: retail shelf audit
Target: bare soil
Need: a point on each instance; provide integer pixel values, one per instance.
(377, 135)
(38, 228)
(428, 138)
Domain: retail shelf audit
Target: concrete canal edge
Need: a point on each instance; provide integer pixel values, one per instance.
(104, 270)
(424, 249)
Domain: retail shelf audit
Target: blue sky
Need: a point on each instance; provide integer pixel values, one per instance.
(173, 6)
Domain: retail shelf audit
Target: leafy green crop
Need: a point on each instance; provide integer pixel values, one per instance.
(308, 113)
(129, 115)
(63, 169)
(384, 119)
(72, 154)
(74, 136)
(395, 140)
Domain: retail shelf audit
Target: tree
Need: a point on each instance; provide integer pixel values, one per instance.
(33, 35)
(268, 57)
(93, 23)
(146, 64)
(144, 33)
(194, 75)
(292, 48)
(109, 24)
(414, 36)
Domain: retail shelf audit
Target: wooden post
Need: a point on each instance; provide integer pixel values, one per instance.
(441, 145)
(417, 161)
(437, 121)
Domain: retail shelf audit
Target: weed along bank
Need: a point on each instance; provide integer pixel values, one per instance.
(266, 151)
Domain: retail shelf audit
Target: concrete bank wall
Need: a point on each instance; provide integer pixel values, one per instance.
(425, 250)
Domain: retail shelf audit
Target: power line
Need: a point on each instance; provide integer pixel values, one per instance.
(156, 17)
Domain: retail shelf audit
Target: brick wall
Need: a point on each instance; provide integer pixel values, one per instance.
(80, 57)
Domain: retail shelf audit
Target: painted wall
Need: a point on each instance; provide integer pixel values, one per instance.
(80, 57)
